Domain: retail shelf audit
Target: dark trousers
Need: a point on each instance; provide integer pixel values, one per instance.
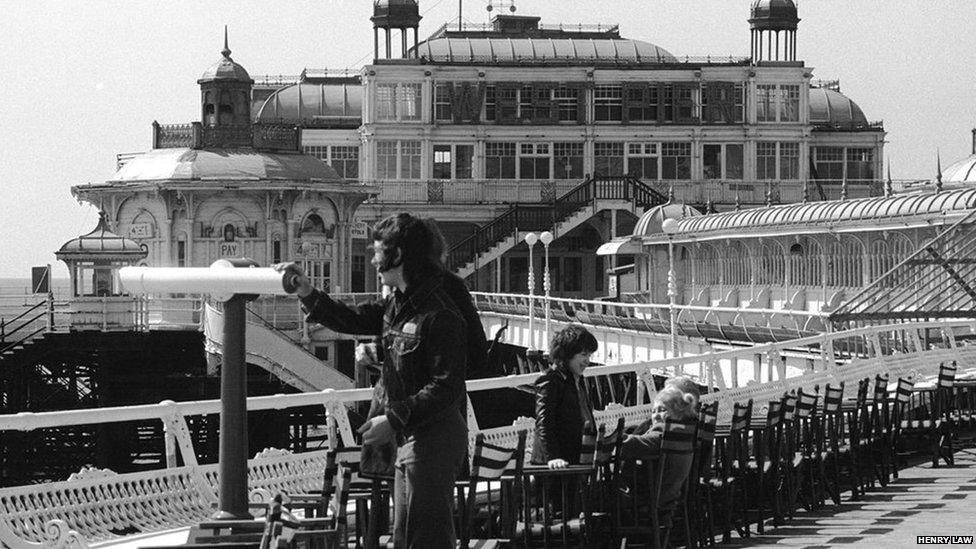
(423, 490)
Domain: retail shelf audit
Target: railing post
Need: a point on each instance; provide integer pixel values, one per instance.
(50, 311)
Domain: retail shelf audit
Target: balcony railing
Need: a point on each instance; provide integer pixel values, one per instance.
(528, 191)
(276, 137)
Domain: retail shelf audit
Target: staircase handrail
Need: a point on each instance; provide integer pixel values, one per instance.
(4, 333)
(521, 217)
(22, 340)
(267, 324)
(25, 313)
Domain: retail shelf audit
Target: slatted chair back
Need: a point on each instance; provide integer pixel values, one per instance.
(491, 462)
(708, 418)
(789, 407)
(833, 398)
(903, 392)
(677, 443)
(947, 375)
(806, 404)
(608, 444)
(741, 415)
(588, 445)
(862, 392)
(881, 388)
(774, 415)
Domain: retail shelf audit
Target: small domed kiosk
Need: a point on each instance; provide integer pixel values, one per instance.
(94, 259)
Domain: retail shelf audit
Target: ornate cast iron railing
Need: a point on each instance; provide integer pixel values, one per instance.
(98, 505)
(274, 137)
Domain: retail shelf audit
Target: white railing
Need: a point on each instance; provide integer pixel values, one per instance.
(99, 503)
(739, 324)
(127, 313)
(473, 191)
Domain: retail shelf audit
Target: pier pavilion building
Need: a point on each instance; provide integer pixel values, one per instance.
(478, 119)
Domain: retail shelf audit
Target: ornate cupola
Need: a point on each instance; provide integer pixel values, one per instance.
(773, 24)
(94, 259)
(225, 90)
(394, 14)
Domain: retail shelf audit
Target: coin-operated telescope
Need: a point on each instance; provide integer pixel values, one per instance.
(234, 282)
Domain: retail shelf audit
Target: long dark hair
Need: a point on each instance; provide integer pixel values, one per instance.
(415, 241)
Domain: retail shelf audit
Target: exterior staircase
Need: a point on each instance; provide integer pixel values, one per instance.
(561, 216)
(24, 329)
(272, 350)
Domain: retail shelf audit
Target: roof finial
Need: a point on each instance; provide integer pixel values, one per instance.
(843, 189)
(710, 206)
(226, 50)
(769, 194)
(806, 192)
(938, 175)
(888, 185)
(738, 202)
(671, 193)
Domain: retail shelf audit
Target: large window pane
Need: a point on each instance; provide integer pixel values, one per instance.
(408, 103)
(765, 105)
(860, 163)
(500, 160)
(790, 103)
(567, 160)
(733, 162)
(766, 160)
(608, 103)
(463, 161)
(410, 160)
(712, 162)
(675, 160)
(828, 163)
(608, 159)
(442, 162)
(789, 160)
(386, 102)
(386, 159)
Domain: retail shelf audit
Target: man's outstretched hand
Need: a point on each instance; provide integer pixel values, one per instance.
(302, 283)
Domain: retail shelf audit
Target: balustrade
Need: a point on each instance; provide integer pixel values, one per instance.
(100, 505)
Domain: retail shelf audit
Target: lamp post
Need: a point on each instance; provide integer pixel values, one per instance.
(530, 240)
(546, 238)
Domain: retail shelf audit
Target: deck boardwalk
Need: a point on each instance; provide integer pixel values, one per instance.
(922, 502)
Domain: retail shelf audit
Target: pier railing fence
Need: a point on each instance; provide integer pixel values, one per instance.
(98, 505)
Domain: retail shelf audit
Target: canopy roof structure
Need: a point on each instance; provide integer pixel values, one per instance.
(937, 281)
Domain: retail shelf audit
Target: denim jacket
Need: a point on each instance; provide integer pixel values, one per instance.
(424, 361)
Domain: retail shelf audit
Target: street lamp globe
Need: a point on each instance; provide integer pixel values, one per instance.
(531, 239)
(546, 238)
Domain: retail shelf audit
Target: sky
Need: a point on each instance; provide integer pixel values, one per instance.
(83, 81)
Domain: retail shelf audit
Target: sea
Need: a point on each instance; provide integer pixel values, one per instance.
(16, 295)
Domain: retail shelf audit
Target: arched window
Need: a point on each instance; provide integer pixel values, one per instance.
(313, 224)
(771, 265)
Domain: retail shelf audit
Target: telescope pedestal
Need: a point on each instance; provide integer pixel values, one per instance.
(233, 414)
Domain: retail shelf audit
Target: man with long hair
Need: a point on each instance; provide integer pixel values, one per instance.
(419, 399)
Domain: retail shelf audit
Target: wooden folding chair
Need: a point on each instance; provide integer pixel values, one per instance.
(491, 494)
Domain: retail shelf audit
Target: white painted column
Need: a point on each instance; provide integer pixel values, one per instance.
(167, 240)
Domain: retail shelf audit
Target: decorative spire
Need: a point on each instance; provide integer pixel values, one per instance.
(843, 189)
(769, 194)
(806, 192)
(938, 175)
(671, 193)
(226, 50)
(888, 185)
(738, 202)
(710, 206)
